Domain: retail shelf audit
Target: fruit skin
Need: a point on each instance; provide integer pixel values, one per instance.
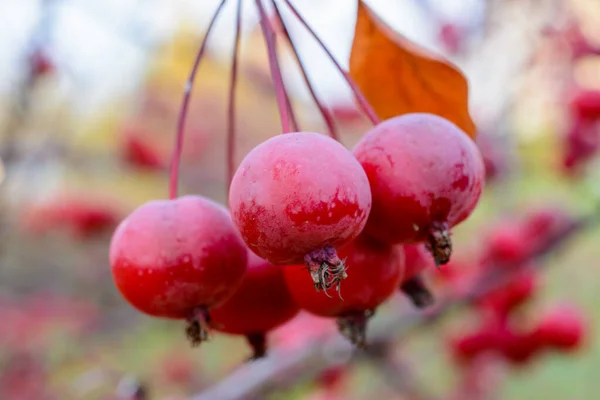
(422, 169)
(261, 303)
(296, 193)
(374, 273)
(170, 256)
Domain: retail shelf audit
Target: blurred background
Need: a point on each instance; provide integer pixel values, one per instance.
(89, 96)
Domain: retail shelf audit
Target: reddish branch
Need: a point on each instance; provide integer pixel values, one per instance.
(360, 98)
(232, 92)
(283, 101)
(187, 94)
(283, 369)
(331, 129)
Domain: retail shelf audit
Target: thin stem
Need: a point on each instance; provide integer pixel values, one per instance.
(280, 93)
(187, 94)
(360, 98)
(331, 129)
(232, 96)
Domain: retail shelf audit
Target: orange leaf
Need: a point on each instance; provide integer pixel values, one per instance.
(398, 77)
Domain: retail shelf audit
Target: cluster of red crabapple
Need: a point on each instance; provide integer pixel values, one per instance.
(306, 216)
(504, 332)
(581, 141)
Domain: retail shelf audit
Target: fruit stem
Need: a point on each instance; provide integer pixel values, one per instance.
(197, 330)
(439, 242)
(187, 94)
(258, 342)
(283, 101)
(417, 291)
(326, 269)
(331, 129)
(353, 326)
(360, 98)
(232, 95)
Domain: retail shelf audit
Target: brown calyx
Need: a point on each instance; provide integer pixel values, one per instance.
(326, 269)
(197, 330)
(439, 242)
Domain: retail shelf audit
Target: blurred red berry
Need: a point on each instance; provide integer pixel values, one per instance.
(562, 328)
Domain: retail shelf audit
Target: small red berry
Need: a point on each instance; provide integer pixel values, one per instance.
(140, 153)
(469, 346)
(507, 244)
(518, 348)
(563, 328)
(298, 196)
(581, 144)
(585, 103)
(426, 176)
(177, 259)
(514, 293)
(81, 216)
(261, 303)
(451, 36)
(376, 271)
(40, 63)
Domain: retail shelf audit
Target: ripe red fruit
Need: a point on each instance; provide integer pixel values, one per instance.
(40, 63)
(426, 176)
(563, 328)
(581, 143)
(82, 216)
(298, 196)
(139, 153)
(508, 296)
(376, 271)
(177, 259)
(261, 303)
(507, 244)
(451, 36)
(516, 347)
(412, 285)
(469, 346)
(585, 103)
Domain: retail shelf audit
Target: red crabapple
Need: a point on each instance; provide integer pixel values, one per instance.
(296, 197)
(261, 303)
(377, 270)
(177, 259)
(562, 328)
(512, 294)
(518, 348)
(426, 176)
(585, 103)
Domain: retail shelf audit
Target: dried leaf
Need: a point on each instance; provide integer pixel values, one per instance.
(398, 77)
